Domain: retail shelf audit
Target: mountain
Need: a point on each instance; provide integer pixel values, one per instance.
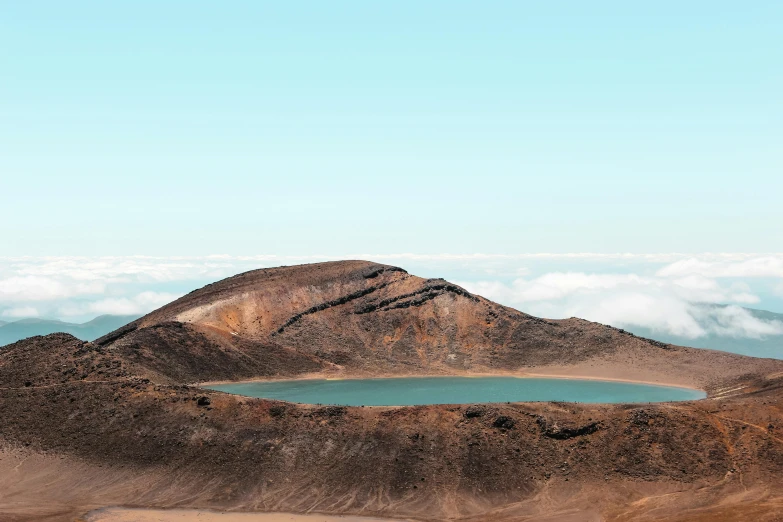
(764, 346)
(366, 319)
(119, 421)
(89, 331)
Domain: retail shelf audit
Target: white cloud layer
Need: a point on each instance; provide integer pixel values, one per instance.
(674, 305)
(37, 288)
(135, 305)
(734, 321)
(662, 292)
(762, 266)
(20, 312)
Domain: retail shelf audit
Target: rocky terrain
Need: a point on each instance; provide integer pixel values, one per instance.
(120, 421)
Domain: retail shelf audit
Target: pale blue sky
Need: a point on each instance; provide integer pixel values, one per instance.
(301, 128)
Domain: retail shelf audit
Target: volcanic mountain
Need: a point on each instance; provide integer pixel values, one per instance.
(120, 421)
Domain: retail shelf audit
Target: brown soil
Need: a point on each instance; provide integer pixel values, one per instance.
(188, 515)
(119, 421)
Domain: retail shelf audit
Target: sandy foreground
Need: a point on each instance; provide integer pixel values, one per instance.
(197, 515)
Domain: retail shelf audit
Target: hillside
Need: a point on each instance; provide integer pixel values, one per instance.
(119, 421)
(89, 331)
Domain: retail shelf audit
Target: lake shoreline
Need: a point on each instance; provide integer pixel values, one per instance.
(525, 375)
(399, 392)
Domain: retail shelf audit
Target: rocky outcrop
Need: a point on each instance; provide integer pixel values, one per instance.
(554, 431)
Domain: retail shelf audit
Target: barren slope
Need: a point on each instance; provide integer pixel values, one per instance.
(116, 422)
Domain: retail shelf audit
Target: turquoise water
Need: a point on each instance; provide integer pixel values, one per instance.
(455, 390)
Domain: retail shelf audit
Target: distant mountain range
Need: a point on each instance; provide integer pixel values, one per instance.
(89, 331)
(768, 346)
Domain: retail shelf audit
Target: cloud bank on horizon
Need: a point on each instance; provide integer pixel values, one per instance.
(668, 305)
(665, 293)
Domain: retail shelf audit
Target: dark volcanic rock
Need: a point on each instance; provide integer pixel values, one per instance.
(474, 411)
(566, 432)
(504, 422)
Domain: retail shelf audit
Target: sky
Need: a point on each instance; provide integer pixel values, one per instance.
(302, 128)
(619, 161)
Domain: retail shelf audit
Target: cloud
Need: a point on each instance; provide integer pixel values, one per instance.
(125, 269)
(36, 288)
(82, 287)
(698, 288)
(140, 304)
(143, 303)
(657, 311)
(682, 306)
(559, 285)
(22, 311)
(556, 285)
(734, 321)
(763, 266)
